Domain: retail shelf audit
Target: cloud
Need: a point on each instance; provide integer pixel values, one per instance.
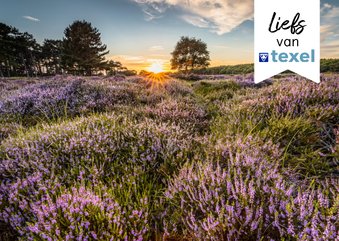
(156, 48)
(196, 21)
(330, 50)
(329, 21)
(326, 31)
(30, 18)
(330, 47)
(152, 9)
(327, 5)
(221, 16)
(329, 31)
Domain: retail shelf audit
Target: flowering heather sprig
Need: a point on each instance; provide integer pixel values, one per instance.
(36, 207)
(177, 88)
(7, 129)
(18, 196)
(244, 80)
(244, 196)
(104, 138)
(316, 211)
(8, 86)
(295, 97)
(77, 214)
(67, 96)
(181, 111)
(297, 114)
(56, 99)
(128, 158)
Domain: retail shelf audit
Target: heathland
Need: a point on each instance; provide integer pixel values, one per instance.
(142, 158)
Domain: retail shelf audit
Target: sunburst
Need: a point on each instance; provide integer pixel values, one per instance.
(156, 80)
(156, 68)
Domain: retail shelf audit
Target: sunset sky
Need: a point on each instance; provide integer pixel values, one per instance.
(141, 32)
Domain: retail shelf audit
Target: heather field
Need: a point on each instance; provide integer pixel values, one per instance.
(220, 158)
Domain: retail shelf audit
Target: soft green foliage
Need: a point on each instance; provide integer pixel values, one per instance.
(329, 65)
(212, 90)
(228, 69)
(190, 54)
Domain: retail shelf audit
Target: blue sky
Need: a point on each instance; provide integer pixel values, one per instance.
(141, 32)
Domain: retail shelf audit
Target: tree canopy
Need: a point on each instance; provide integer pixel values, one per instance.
(189, 54)
(18, 52)
(51, 52)
(82, 49)
(80, 52)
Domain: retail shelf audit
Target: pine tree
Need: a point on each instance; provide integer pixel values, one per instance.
(6, 48)
(18, 52)
(51, 54)
(83, 51)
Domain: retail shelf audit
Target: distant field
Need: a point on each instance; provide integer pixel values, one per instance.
(220, 158)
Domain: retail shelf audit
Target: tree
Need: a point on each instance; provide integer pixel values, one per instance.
(19, 52)
(51, 55)
(83, 51)
(9, 50)
(27, 51)
(112, 67)
(189, 54)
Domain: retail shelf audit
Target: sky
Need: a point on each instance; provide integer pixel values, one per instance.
(139, 33)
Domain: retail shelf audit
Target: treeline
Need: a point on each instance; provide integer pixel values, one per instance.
(329, 65)
(326, 65)
(228, 69)
(80, 52)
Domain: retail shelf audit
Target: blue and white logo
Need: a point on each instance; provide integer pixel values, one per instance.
(263, 57)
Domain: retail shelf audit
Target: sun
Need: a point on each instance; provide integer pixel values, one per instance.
(156, 68)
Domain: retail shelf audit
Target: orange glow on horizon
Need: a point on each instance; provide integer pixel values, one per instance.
(156, 67)
(159, 67)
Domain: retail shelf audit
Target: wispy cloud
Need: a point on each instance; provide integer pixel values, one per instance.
(330, 49)
(156, 48)
(327, 5)
(30, 18)
(152, 9)
(221, 16)
(326, 31)
(329, 21)
(329, 30)
(196, 21)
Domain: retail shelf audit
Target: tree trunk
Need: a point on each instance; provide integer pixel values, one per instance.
(56, 70)
(8, 69)
(39, 68)
(1, 73)
(89, 72)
